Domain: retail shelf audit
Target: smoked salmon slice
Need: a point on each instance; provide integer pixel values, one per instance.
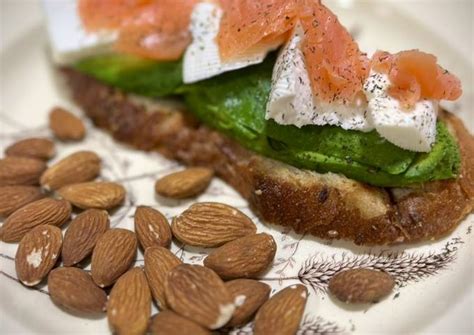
(159, 29)
(108, 14)
(335, 64)
(415, 75)
(151, 29)
(336, 67)
(250, 26)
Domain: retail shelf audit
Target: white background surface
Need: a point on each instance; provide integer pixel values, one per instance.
(451, 20)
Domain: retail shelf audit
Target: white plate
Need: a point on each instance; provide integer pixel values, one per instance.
(436, 279)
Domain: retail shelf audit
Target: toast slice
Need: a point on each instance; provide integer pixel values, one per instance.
(329, 206)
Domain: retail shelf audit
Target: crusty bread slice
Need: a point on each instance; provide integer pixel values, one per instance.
(329, 206)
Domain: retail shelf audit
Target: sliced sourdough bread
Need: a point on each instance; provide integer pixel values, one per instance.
(329, 206)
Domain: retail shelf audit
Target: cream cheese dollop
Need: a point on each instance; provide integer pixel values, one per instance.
(292, 102)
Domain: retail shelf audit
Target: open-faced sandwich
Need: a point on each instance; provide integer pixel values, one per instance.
(277, 98)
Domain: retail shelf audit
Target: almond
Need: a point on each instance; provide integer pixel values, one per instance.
(40, 148)
(158, 263)
(113, 254)
(246, 257)
(282, 314)
(74, 290)
(361, 285)
(37, 253)
(197, 293)
(40, 212)
(20, 171)
(82, 235)
(100, 194)
(129, 306)
(211, 224)
(152, 228)
(248, 295)
(15, 197)
(76, 168)
(184, 184)
(65, 125)
(170, 323)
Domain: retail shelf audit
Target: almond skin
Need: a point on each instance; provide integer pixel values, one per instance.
(184, 184)
(15, 197)
(20, 170)
(197, 293)
(361, 286)
(39, 148)
(282, 314)
(248, 295)
(129, 306)
(40, 212)
(65, 125)
(74, 290)
(100, 195)
(170, 323)
(37, 253)
(246, 257)
(82, 235)
(76, 168)
(211, 224)
(152, 228)
(158, 263)
(113, 254)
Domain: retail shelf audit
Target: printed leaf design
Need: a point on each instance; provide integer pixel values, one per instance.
(405, 267)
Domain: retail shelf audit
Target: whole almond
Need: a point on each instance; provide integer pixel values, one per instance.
(282, 314)
(17, 196)
(184, 184)
(96, 194)
(211, 224)
(65, 125)
(361, 285)
(246, 257)
(45, 211)
(248, 295)
(76, 168)
(158, 263)
(37, 253)
(129, 306)
(197, 293)
(170, 323)
(74, 290)
(82, 235)
(152, 228)
(113, 255)
(20, 170)
(40, 148)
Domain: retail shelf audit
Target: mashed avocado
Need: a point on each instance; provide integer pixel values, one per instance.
(235, 104)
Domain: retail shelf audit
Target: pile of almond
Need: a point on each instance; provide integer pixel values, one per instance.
(37, 200)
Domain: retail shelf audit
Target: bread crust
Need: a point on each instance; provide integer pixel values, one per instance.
(329, 206)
